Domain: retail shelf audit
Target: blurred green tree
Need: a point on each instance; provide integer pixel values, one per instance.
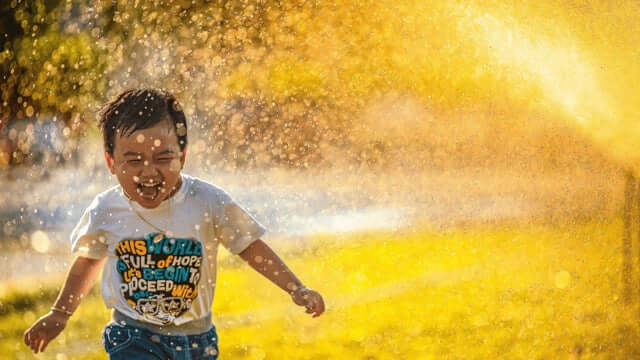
(49, 63)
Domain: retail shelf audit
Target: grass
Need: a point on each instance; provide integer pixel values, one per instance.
(475, 292)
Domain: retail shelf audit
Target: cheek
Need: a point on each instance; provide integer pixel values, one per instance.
(175, 165)
(125, 177)
(171, 178)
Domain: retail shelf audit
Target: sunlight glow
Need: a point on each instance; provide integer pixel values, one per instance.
(556, 65)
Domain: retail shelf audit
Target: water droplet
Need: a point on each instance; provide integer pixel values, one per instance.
(40, 241)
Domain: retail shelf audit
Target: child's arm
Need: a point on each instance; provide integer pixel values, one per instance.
(260, 256)
(78, 282)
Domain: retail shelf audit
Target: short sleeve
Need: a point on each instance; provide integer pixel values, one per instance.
(236, 229)
(87, 239)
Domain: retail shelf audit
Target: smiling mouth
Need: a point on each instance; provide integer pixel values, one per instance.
(150, 190)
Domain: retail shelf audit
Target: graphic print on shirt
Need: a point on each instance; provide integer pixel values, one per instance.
(160, 275)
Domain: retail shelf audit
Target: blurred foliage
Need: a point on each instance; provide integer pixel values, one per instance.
(20, 302)
(291, 82)
(49, 64)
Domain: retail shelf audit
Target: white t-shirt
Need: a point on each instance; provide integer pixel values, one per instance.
(163, 280)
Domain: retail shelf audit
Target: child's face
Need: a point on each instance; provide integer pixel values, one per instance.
(147, 164)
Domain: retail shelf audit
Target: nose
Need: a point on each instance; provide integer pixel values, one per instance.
(149, 171)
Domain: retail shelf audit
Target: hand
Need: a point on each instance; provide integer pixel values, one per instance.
(310, 299)
(45, 329)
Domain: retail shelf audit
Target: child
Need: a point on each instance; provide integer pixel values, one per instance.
(155, 237)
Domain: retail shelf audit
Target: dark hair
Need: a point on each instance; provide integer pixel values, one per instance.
(137, 109)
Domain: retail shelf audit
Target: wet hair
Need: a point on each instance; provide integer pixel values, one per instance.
(138, 109)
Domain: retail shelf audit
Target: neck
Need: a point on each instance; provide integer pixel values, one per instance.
(177, 187)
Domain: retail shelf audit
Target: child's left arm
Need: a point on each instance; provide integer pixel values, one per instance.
(260, 257)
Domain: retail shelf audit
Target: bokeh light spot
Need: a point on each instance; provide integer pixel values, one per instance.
(40, 241)
(175, 165)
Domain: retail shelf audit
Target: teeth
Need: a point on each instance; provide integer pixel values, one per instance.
(150, 184)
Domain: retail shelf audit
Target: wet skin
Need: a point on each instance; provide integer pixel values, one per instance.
(147, 164)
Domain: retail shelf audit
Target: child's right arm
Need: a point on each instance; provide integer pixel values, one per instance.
(78, 282)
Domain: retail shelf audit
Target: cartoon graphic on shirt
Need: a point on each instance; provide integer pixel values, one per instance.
(160, 275)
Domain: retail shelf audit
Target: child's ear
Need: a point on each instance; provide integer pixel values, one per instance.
(110, 162)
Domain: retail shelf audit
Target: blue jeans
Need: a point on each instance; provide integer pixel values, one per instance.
(128, 342)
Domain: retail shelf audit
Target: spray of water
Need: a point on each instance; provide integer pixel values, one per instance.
(452, 110)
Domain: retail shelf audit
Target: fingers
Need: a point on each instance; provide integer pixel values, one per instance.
(315, 304)
(43, 345)
(38, 344)
(35, 340)
(319, 309)
(30, 339)
(311, 300)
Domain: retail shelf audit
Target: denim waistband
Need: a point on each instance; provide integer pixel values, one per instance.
(130, 342)
(194, 327)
